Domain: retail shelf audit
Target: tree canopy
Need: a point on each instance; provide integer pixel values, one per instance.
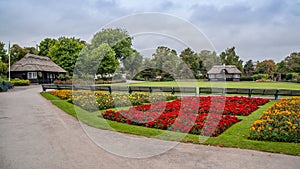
(229, 57)
(65, 52)
(132, 63)
(192, 60)
(45, 46)
(117, 39)
(249, 68)
(266, 67)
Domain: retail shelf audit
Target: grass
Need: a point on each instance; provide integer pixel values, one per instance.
(262, 85)
(236, 136)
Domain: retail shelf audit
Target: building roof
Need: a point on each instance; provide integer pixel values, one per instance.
(231, 69)
(32, 62)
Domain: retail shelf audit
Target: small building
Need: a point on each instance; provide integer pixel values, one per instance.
(37, 69)
(224, 73)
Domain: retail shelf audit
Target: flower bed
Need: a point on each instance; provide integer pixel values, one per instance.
(280, 123)
(209, 116)
(99, 100)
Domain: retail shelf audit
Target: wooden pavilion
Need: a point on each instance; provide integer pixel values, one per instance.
(37, 69)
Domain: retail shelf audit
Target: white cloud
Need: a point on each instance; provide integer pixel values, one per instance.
(258, 29)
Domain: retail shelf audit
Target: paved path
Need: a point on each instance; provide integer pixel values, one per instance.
(34, 134)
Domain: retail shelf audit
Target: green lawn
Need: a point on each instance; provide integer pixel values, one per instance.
(235, 136)
(269, 85)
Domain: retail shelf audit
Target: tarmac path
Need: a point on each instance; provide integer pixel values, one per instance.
(34, 134)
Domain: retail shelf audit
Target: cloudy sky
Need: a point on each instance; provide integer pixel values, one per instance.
(259, 29)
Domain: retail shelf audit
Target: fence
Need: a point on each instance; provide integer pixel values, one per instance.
(185, 90)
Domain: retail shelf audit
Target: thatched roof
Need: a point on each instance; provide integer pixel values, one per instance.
(32, 62)
(231, 69)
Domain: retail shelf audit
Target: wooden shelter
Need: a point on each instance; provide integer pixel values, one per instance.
(37, 69)
(224, 73)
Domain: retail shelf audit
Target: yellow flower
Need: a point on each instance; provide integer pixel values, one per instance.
(270, 128)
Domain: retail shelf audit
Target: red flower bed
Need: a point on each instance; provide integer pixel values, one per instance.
(208, 116)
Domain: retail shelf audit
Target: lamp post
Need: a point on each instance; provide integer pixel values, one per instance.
(9, 61)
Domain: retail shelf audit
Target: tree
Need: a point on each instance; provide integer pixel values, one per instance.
(192, 60)
(117, 39)
(3, 55)
(65, 52)
(132, 63)
(249, 68)
(293, 62)
(209, 59)
(17, 53)
(229, 57)
(281, 67)
(266, 67)
(162, 60)
(109, 63)
(31, 50)
(3, 68)
(45, 46)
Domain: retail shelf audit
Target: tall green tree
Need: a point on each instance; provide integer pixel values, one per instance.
(229, 57)
(65, 52)
(108, 64)
(3, 55)
(249, 68)
(209, 59)
(266, 67)
(192, 60)
(45, 45)
(3, 68)
(117, 39)
(162, 60)
(293, 62)
(132, 63)
(282, 67)
(17, 53)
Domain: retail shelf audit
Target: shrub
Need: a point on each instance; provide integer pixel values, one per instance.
(281, 122)
(19, 82)
(260, 76)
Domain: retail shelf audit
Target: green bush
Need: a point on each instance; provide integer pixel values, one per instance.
(19, 82)
(260, 76)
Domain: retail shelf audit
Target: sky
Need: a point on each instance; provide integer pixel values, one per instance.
(259, 29)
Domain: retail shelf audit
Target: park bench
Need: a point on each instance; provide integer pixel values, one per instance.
(240, 91)
(139, 89)
(157, 89)
(284, 92)
(192, 90)
(56, 86)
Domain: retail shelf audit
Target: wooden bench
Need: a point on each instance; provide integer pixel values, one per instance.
(157, 89)
(209, 90)
(56, 86)
(284, 92)
(185, 90)
(139, 89)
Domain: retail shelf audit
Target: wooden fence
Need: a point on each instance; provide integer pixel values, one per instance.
(184, 90)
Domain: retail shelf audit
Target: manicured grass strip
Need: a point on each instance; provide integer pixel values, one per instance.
(262, 85)
(237, 136)
(49, 96)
